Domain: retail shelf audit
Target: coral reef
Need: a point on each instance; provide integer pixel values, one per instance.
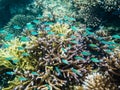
(17, 23)
(97, 81)
(113, 66)
(60, 44)
(55, 56)
(97, 12)
(9, 8)
(54, 64)
(55, 8)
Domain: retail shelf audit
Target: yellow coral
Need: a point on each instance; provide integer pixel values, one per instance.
(60, 28)
(13, 51)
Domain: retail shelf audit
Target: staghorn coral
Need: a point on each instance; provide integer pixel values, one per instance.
(97, 81)
(54, 66)
(60, 29)
(10, 55)
(55, 62)
(113, 66)
(49, 62)
(14, 55)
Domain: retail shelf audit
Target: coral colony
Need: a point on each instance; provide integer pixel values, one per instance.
(60, 45)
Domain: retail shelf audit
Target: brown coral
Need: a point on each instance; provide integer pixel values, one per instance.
(97, 81)
(113, 65)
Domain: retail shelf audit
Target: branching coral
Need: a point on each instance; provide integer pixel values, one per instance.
(97, 81)
(113, 65)
(45, 61)
(60, 28)
(58, 57)
(57, 8)
(56, 62)
(13, 54)
(96, 12)
(17, 23)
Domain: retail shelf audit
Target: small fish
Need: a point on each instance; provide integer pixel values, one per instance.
(58, 70)
(29, 26)
(34, 73)
(36, 21)
(95, 60)
(88, 29)
(17, 27)
(72, 19)
(64, 50)
(85, 53)
(73, 37)
(48, 23)
(48, 86)
(15, 61)
(79, 58)
(99, 38)
(50, 16)
(10, 73)
(25, 54)
(6, 46)
(40, 16)
(111, 46)
(75, 71)
(89, 33)
(108, 51)
(24, 39)
(34, 33)
(20, 48)
(116, 36)
(59, 21)
(117, 12)
(74, 41)
(74, 28)
(61, 35)
(47, 28)
(69, 46)
(93, 45)
(9, 58)
(9, 37)
(108, 42)
(50, 33)
(3, 32)
(66, 17)
(67, 22)
(65, 61)
(22, 78)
